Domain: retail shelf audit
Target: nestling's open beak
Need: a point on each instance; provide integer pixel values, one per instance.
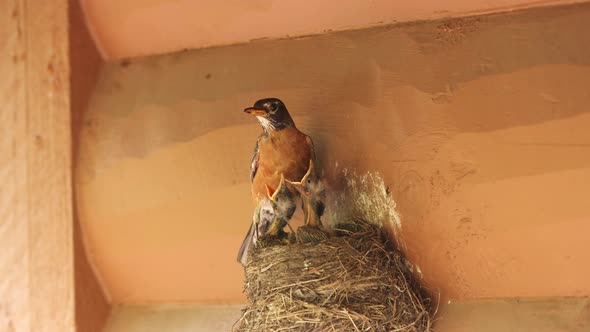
(304, 178)
(254, 111)
(298, 186)
(270, 192)
(295, 183)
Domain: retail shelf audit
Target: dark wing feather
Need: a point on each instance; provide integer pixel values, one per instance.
(254, 163)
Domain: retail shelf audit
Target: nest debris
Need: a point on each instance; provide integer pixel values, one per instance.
(353, 281)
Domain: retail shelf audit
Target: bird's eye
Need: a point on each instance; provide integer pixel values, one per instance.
(308, 180)
(273, 108)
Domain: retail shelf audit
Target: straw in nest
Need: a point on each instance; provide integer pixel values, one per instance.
(353, 281)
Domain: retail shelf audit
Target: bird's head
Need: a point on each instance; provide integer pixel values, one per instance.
(310, 184)
(271, 113)
(312, 191)
(282, 199)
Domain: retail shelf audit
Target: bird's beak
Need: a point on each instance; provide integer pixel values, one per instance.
(310, 166)
(304, 178)
(296, 185)
(255, 111)
(270, 192)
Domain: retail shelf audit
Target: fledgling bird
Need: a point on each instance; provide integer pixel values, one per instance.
(271, 215)
(313, 194)
(284, 204)
(280, 149)
(263, 217)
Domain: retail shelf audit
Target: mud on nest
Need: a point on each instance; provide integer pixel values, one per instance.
(353, 281)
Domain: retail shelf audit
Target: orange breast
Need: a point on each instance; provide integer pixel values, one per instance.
(285, 151)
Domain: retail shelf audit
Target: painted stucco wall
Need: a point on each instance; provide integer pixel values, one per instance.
(479, 126)
(126, 28)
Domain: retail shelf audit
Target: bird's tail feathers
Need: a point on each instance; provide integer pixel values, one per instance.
(245, 247)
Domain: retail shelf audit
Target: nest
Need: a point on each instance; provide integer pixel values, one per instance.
(352, 281)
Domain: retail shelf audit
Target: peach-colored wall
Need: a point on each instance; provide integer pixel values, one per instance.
(126, 28)
(479, 125)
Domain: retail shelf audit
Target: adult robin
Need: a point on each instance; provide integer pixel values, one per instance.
(280, 149)
(271, 215)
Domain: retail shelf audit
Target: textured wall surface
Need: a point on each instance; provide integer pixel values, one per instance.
(479, 125)
(126, 28)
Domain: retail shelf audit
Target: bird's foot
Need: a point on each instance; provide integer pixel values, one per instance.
(292, 238)
(269, 240)
(310, 234)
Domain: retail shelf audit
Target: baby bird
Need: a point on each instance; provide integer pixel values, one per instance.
(271, 215)
(313, 194)
(263, 217)
(284, 204)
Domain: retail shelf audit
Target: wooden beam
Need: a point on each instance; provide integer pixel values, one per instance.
(36, 256)
(13, 170)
